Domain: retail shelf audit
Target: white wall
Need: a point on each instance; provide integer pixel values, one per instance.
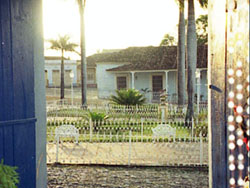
(203, 86)
(106, 81)
(142, 81)
(172, 85)
(51, 65)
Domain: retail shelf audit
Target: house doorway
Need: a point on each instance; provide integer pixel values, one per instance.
(157, 86)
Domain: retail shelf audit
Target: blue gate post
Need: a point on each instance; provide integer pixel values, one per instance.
(22, 115)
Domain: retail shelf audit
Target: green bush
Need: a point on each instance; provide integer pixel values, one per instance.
(128, 97)
(97, 116)
(9, 178)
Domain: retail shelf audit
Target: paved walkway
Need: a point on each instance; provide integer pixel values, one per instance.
(159, 154)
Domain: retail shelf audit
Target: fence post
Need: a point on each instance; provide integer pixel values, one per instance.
(201, 149)
(192, 131)
(57, 148)
(110, 136)
(130, 147)
(142, 120)
(90, 129)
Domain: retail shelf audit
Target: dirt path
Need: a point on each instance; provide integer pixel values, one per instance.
(159, 154)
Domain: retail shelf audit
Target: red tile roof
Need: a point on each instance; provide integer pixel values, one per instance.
(147, 58)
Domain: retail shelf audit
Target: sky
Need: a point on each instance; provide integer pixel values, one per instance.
(112, 24)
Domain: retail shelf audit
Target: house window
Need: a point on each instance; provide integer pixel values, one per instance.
(121, 82)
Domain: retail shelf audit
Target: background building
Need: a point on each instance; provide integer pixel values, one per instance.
(151, 70)
(53, 69)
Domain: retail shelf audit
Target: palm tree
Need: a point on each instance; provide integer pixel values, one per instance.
(62, 44)
(168, 40)
(191, 58)
(192, 55)
(181, 55)
(81, 5)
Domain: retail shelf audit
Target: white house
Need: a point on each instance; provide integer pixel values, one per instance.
(53, 69)
(150, 70)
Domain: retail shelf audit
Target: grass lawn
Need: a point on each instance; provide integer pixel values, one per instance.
(117, 127)
(119, 133)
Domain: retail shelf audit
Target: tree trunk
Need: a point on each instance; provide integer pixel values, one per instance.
(83, 53)
(191, 58)
(62, 75)
(181, 55)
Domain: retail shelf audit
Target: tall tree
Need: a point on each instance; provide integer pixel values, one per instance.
(192, 55)
(168, 40)
(191, 58)
(63, 44)
(181, 55)
(81, 5)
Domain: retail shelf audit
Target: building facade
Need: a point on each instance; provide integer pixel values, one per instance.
(151, 70)
(53, 71)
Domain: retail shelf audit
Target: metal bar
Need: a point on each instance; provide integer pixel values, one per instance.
(18, 121)
(57, 148)
(142, 130)
(90, 129)
(201, 149)
(130, 147)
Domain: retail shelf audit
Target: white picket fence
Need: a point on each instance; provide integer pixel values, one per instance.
(128, 143)
(63, 109)
(132, 135)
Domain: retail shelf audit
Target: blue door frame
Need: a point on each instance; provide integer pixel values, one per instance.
(17, 111)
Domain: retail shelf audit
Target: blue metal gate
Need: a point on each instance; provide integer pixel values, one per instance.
(17, 113)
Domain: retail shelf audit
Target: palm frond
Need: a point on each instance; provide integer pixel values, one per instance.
(180, 3)
(55, 45)
(128, 97)
(62, 43)
(203, 3)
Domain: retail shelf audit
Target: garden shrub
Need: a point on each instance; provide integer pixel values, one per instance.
(9, 178)
(128, 97)
(96, 117)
